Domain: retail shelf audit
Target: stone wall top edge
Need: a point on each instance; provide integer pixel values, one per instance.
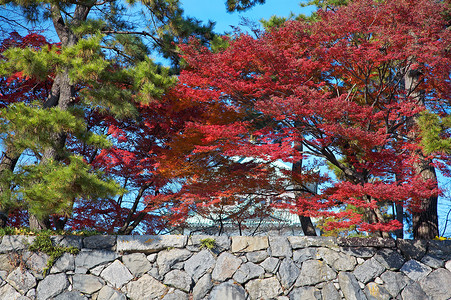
(154, 243)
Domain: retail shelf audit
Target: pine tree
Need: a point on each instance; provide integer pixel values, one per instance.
(100, 64)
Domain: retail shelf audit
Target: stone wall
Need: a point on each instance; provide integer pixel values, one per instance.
(176, 267)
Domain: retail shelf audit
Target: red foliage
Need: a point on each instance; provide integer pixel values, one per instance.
(336, 86)
(17, 88)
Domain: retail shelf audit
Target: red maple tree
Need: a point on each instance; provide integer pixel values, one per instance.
(338, 88)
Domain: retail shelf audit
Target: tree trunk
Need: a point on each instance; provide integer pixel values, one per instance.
(425, 222)
(400, 217)
(8, 162)
(62, 94)
(307, 226)
(130, 223)
(306, 222)
(39, 224)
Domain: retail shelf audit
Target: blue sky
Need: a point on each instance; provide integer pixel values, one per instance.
(215, 10)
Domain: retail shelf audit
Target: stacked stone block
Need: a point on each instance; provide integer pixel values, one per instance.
(179, 267)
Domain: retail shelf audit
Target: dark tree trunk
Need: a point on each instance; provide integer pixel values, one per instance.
(62, 93)
(130, 223)
(306, 222)
(307, 226)
(425, 221)
(39, 223)
(400, 217)
(8, 162)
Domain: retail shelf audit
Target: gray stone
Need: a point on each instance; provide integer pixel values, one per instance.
(267, 288)
(72, 295)
(299, 256)
(222, 243)
(202, 287)
(15, 243)
(36, 263)
(87, 284)
(108, 293)
(338, 261)
(97, 270)
(65, 263)
(270, 264)
(280, 247)
(105, 242)
(179, 265)
(374, 291)
(313, 272)
(225, 266)
(198, 264)
(329, 292)
(394, 282)
(308, 292)
(288, 273)
(146, 287)
(249, 243)
(366, 242)
(432, 261)
(390, 259)
(149, 243)
(307, 241)
(152, 257)
(155, 274)
(365, 252)
(415, 270)
(31, 294)
(413, 292)
(178, 279)
(257, 256)
(51, 286)
(176, 295)
(247, 272)
(3, 275)
(412, 249)
(116, 274)
(369, 270)
(350, 287)
(82, 270)
(448, 265)
(69, 241)
(6, 262)
(227, 291)
(437, 284)
(7, 292)
(440, 249)
(137, 263)
(168, 258)
(91, 258)
(21, 280)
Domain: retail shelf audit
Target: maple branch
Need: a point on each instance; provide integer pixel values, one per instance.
(127, 228)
